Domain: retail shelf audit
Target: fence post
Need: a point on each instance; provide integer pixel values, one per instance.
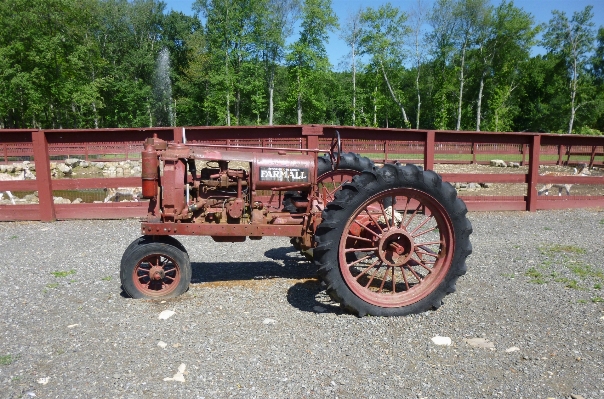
(43, 179)
(429, 150)
(474, 149)
(178, 133)
(561, 150)
(533, 174)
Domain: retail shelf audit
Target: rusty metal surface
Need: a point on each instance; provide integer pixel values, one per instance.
(209, 229)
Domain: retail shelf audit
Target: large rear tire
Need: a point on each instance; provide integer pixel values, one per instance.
(408, 233)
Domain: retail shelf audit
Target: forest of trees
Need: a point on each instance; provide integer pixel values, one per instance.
(455, 64)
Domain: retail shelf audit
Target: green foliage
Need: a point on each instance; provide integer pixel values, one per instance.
(6, 360)
(94, 63)
(63, 273)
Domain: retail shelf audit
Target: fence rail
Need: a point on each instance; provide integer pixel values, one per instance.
(425, 147)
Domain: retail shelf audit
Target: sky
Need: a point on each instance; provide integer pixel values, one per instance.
(337, 49)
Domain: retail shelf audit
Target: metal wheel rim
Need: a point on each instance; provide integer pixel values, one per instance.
(345, 176)
(377, 281)
(156, 287)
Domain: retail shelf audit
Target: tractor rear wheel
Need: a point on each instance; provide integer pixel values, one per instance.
(155, 267)
(393, 242)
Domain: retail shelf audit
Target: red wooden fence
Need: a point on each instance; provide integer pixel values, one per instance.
(385, 145)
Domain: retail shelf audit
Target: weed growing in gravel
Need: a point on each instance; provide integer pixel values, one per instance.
(5, 360)
(535, 275)
(63, 273)
(581, 301)
(578, 271)
(12, 237)
(547, 228)
(106, 278)
(52, 285)
(597, 299)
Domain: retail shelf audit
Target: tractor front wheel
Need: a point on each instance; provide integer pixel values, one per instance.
(155, 268)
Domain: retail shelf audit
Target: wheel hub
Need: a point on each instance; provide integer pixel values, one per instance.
(156, 273)
(395, 247)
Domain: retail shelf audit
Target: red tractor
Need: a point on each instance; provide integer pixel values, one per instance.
(386, 241)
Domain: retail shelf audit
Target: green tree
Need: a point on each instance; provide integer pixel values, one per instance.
(383, 34)
(308, 62)
(573, 41)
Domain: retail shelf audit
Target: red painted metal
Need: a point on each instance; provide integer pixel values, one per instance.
(207, 229)
(156, 275)
(398, 258)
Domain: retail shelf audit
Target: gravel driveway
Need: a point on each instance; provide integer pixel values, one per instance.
(527, 321)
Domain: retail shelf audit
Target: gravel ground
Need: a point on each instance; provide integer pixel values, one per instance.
(256, 323)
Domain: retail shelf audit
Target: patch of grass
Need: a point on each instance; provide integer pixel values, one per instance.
(547, 228)
(598, 286)
(52, 285)
(106, 278)
(597, 299)
(63, 273)
(602, 222)
(12, 237)
(508, 275)
(581, 301)
(558, 248)
(5, 360)
(568, 283)
(584, 270)
(535, 275)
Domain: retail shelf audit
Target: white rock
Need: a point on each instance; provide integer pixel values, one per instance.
(43, 380)
(179, 376)
(73, 325)
(166, 314)
(444, 341)
(512, 349)
(480, 343)
(269, 321)
(162, 344)
(73, 162)
(498, 162)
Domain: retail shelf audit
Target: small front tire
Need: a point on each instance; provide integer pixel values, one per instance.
(153, 268)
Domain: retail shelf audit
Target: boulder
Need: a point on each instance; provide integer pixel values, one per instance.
(514, 165)
(72, 162)
(63, 168)
(499, 163)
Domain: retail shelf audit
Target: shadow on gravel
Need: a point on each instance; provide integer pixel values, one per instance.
(310, 296)
(293, 267)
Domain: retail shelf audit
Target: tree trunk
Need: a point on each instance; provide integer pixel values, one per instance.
(271, 90)
(299, 102)
(573, 95)
(461, 82)
(479, 101)
(396, 100)
(354, 86)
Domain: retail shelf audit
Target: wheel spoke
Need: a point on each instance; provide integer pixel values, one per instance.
(393, 282)
(384, 214)
(366, 269)
(383, 280)
(368, 229)
(359, 238)
(417, 276)
(373, 275)
(374, 222)
(421, 225)
(424, 232)
(347, 250)
(405, 278)
(413, 215)
(360, 260)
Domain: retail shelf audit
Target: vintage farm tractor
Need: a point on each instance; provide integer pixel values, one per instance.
(386, 241)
